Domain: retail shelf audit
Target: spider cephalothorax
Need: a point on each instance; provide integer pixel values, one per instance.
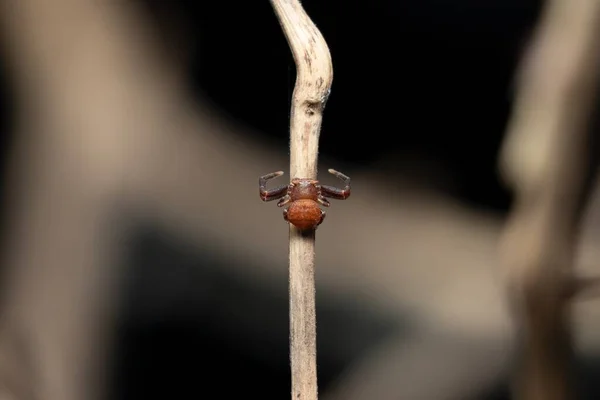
(303, 197)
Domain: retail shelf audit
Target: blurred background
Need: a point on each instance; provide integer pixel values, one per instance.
(134, 134)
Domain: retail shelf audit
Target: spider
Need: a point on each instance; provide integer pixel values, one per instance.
(303, 196)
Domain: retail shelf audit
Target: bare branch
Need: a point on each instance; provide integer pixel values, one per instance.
(313, 83)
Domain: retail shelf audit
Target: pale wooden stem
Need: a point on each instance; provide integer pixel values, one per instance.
(313, 83)
(545, 158)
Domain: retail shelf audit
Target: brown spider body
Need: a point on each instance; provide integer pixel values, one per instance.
(304, 214)
(303, 197)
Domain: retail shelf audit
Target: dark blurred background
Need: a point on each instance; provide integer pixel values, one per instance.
(396, 63)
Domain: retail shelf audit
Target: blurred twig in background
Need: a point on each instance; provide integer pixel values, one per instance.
(546, 158)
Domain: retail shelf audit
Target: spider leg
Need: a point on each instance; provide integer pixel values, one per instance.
(284, 201)
(273, 194)
(335, 193)
(323, 201)
(322, 217)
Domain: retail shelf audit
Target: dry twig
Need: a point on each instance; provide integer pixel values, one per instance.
(313, 83)
(545, 159)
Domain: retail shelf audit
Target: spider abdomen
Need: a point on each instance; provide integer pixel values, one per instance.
(304, 214)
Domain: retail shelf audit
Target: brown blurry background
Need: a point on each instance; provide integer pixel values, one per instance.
(139, 261)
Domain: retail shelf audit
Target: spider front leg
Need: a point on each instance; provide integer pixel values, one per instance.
(273, 194)
(335, 193)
